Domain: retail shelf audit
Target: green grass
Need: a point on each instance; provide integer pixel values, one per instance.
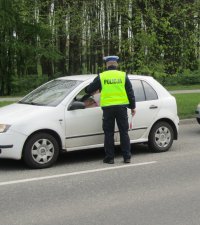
(187, 104)
(183, 87)
(4, 103)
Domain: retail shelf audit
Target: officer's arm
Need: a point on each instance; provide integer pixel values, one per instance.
(94, 86)
(130, 93)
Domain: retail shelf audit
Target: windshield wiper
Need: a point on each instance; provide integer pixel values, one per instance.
(35, 103)
(31, 103)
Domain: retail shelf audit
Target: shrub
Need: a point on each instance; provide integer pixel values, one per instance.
(21, 86)
(189, 77)
(186, 78)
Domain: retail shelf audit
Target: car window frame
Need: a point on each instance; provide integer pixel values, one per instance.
(145, 91)
(143, 88)
(132, 80)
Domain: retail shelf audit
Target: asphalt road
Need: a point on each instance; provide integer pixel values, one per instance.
(155, 189)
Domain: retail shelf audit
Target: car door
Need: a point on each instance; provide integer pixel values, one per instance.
(147, 107)
(84, 126)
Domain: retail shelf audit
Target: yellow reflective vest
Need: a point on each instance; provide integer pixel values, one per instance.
(113, 88)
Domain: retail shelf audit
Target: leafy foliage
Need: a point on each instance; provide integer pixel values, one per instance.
(44, 38)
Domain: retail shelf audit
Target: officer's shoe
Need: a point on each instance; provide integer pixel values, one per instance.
(108, 160)
(127, 160)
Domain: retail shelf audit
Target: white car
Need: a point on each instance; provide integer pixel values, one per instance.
(198, 113)
(54, 118)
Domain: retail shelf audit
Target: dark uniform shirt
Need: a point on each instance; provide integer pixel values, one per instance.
(96, 85)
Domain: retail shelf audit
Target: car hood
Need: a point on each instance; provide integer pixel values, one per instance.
(16, 112)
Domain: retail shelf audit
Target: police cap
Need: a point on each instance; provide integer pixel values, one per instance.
(111, 58)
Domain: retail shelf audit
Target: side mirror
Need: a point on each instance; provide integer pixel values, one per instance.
(77, 105)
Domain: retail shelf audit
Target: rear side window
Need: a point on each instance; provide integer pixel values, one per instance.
(143, 91)
(138, 90)
(149, 92)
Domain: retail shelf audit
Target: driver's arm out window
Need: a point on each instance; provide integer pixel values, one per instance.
(90, 101)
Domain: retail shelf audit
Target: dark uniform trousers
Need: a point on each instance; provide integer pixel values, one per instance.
(109, 115)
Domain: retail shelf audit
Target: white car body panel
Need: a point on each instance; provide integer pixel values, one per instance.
(197, 112)
(13, 143)
(80, 129)
(90, 122)
(26, 119)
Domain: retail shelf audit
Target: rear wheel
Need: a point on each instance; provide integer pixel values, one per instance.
(41, 151)
(161, 137)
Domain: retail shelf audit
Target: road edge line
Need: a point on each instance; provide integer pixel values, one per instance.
(74, 173)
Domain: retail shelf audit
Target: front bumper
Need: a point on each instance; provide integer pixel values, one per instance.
(11, 144)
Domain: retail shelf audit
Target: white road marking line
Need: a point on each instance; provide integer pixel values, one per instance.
(74, 173)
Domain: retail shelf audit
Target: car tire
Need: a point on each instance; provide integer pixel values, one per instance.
(41, 150)
(161, 137)
(198, 120)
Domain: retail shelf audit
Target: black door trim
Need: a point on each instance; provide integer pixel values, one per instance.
(90, 135)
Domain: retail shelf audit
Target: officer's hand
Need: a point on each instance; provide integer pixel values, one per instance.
(133, 111)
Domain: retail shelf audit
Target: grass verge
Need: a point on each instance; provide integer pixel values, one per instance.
(183, 87)
(187, 104)
(4, 103)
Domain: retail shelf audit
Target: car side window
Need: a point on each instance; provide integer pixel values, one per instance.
(138, 90)
(149, 92)
(89, 101)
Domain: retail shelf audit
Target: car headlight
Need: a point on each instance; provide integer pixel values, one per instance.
(4, 128)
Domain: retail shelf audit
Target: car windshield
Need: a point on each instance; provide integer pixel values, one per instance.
(51, 93)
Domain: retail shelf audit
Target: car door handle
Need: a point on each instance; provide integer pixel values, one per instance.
(153, 107)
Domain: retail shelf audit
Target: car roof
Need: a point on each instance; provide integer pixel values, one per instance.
(92, 76)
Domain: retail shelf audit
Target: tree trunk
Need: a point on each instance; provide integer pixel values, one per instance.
(75, 36)
(46, 63)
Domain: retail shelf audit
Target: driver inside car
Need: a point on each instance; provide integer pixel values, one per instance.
(90, 102)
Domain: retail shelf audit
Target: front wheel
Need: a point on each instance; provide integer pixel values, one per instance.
(41, 151)
(161, 137)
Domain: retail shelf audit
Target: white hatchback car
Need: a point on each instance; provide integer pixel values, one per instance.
(56, 117)
(198, 113)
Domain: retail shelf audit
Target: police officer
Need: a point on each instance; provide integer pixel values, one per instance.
(116, 95)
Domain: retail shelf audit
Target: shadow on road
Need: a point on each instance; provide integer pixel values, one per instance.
(75, 157)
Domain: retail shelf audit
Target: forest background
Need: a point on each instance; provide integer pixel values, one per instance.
(44, 39)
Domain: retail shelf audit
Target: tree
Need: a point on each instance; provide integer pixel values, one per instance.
(57, 37)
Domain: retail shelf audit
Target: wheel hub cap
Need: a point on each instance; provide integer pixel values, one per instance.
(42, 151)
(163, 137)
